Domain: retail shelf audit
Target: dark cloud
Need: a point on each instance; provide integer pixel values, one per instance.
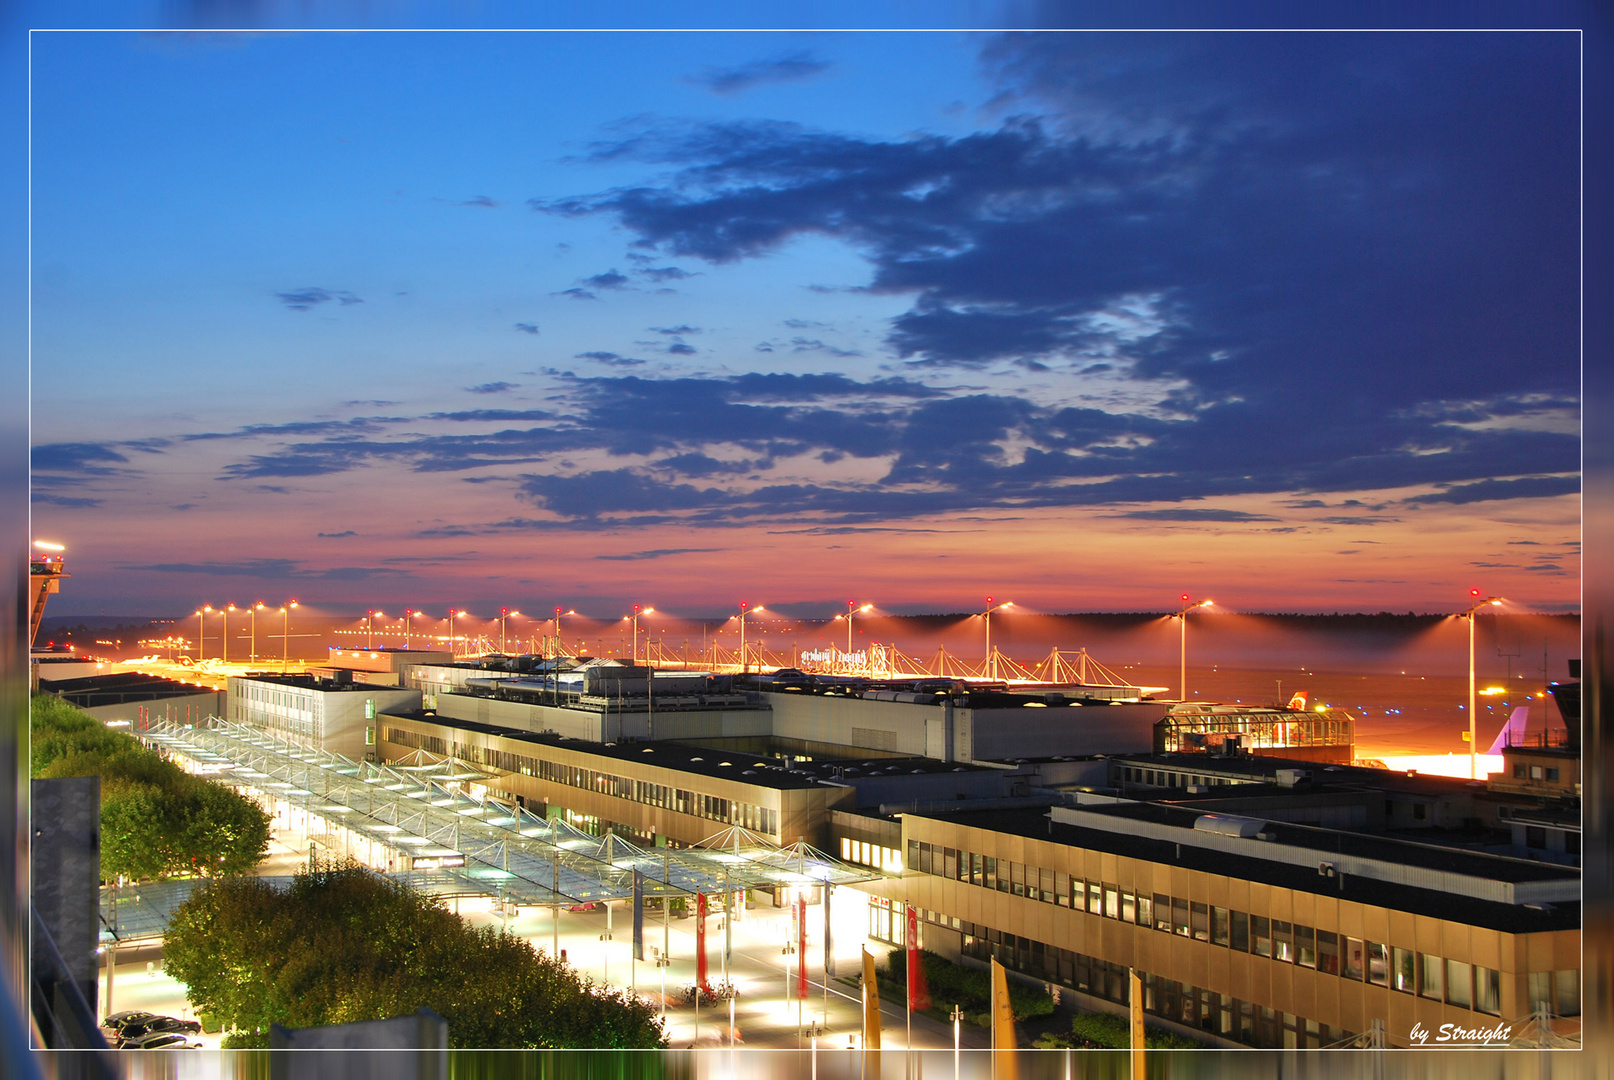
(1357, 521)
(659, 274)
(336, 535)
(676, 331)
(655, 553)
(789, 67)
(577, 294)
(83, 457)
(609, 358)
(310, 298)
(1333, 260)
(501, 415)
(679, 348)
(611, 279)
(1486, 490)
(482, 201)
(493, 388)
(266, 570)
(527, 327)
(701, 465)
(801, 344)
(1192, 514)
(69, 502)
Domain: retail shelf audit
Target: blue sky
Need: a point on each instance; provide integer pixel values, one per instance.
(1097, 317)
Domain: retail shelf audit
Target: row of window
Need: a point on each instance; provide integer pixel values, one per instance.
(1535, 772)
(1219, 1014)
(1425, 974)
(760, 819)
(299, 726)
(867, 854)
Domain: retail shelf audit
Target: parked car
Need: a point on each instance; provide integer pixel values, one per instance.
(122, 1019)
(161, 1040)
(150, 1024)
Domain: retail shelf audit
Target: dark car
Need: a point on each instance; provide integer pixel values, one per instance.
(122, 1019)
(136, 1030)
(160, 1040)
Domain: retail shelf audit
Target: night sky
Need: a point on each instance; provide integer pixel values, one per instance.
(1086, 319)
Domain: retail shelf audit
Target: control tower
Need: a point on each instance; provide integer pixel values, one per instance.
(45, 573)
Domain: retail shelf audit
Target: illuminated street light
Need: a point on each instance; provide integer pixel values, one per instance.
(201, 631)
(1477, 603)
(991, 657)
(504, 613)
(1183, 615)
(285, 634)
(46, 545)
(850, 611)
(558, 613)
(408, 622)
(224, 657)
(744, 611)
(369, 627)
(634, 619)
(451, 614)
(253, 612)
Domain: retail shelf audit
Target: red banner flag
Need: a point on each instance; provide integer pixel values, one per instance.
(801, 947)
(918, 989)
(700, 942)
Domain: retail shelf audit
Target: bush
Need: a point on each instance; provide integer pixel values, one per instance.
(156, 819)
(1108, 1031)
(344, 944)
(969, 988)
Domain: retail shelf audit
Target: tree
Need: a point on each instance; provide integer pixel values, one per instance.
(344, 944)
(156, 819)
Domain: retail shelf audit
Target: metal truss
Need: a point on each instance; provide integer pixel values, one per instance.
(429, 808)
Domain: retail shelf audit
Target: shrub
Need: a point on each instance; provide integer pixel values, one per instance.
(969, 988)
(344, 944)
(156, 819)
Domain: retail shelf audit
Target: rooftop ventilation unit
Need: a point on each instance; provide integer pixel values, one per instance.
(1229, 825)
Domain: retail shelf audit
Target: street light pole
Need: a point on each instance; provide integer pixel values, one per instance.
(634, 619)
(224, 658)
(253, 614)
(852, 609)
(1473, 750)
(451, 613)
(504, 613)
(991, 658)
(1183, 615)
(744, 611)
(201, 632)
(285, 635)
(408, 620)
(369, 628)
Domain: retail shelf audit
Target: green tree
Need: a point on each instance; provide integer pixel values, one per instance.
(345, 944)
(156, 819)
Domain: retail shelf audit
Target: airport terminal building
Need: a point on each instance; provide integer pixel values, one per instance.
(1265, 900)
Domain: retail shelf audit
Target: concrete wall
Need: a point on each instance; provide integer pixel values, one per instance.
(891, 726)
(609, 725)
(954, 733)
(1006, 734)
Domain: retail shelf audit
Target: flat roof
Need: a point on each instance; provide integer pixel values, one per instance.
(1510, 918)
(744, 768)
(309, 682)
(117, 687)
